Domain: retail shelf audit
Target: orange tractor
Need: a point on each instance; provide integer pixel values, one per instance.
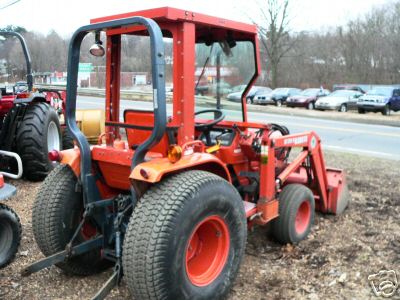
(168, 194)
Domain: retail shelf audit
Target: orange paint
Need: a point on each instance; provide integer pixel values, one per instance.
(72, 157)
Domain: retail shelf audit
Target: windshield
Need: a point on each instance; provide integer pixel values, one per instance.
(386, 92)
(342, 93)
(221, 71)
(280, 91)
(310, 92)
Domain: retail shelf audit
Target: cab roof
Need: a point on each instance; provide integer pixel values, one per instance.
(169, 14)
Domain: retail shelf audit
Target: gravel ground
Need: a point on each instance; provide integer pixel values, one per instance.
(333, 263)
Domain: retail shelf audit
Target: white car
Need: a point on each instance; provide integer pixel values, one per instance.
(341, 100)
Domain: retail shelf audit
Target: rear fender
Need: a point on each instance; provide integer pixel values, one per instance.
(155, 170)
(72, 157)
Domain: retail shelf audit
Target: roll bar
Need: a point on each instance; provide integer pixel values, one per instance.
(29, 78)
(90, 190)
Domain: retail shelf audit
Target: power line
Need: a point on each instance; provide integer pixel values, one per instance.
(12, 2)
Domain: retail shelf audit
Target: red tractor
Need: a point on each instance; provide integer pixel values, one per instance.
(169, 205)
(29, 125)
(30, 120)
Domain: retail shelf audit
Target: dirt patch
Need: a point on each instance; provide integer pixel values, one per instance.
(333, 263)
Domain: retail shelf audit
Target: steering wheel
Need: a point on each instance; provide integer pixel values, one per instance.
(205, 128)
(218, 117)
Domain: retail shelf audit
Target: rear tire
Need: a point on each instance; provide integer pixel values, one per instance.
(175, 220)
(39, 131)
(56, 214)
(278, 103)
(310, 106)
(296, 214)
(10, 235)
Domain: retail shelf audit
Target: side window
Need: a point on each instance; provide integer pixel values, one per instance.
(396, 93)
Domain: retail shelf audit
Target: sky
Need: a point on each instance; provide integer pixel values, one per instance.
(66, 16)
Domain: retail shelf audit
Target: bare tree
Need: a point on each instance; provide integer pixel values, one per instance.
(274, 34)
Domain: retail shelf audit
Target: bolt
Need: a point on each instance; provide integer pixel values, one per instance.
(218, 233)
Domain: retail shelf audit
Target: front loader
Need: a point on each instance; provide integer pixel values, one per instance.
(168, 195)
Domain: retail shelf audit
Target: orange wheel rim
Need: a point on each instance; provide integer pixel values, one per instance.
(303, 217)
(207, 251)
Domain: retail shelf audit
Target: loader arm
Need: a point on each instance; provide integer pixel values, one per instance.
(327, 184)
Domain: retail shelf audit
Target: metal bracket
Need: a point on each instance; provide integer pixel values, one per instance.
(112, 282)
(62, 256)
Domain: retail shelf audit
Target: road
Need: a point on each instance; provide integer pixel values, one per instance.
(372, 140)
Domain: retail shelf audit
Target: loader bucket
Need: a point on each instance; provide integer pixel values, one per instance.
(338, 192)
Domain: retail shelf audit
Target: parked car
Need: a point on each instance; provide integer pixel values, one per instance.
(341, 100)
(261, 91)
(306, 98)
(277, 96)
(237, 93)
(383, 99)
(211, 89)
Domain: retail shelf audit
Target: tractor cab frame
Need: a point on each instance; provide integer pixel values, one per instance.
(114, 180)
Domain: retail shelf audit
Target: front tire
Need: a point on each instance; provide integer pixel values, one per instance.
(57, 211)
(185, 239)
(10, 235)
(67, 139)
(249, 101)
(343, 108)
(38, 134)
(296, 214)
(386, 110)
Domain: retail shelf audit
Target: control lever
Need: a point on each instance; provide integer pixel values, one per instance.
(241, 133)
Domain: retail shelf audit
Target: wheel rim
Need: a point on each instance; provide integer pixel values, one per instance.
(6, 239)
(303, 217)
(279, 103)
(53, 137)
(343, 108)
(248, 101)
(207, 251)
(310, 105)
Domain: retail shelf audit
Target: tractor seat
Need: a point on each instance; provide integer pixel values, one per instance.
(137, 136)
